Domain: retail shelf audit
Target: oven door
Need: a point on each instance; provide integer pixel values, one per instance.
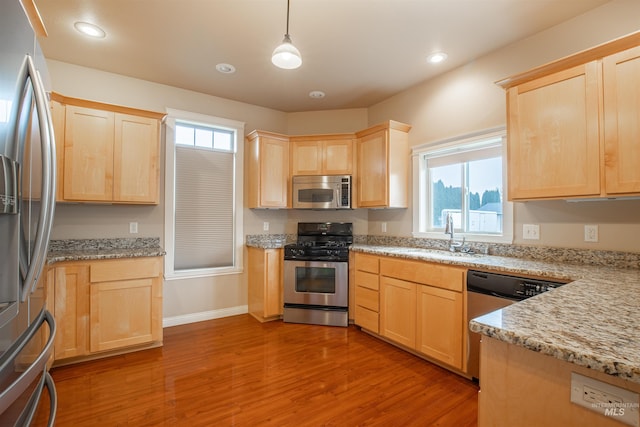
(316, 283)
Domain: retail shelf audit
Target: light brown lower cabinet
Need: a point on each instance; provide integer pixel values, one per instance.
(439, 330)
(367, 291)
(70, 296)
(265, 283)
(398, 311)
(105, 305)
(420, 305)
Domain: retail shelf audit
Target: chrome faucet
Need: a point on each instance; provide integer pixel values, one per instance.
(448, 229)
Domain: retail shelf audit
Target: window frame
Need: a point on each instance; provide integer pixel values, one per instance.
(421, 190)
(237, 127)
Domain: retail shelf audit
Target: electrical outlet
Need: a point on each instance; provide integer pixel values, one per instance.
(384, 227)
(590, 233)
(531, 231)
(133, 228)
(611, 401)
(265, 226)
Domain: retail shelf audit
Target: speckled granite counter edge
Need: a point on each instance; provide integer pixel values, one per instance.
(97, 249)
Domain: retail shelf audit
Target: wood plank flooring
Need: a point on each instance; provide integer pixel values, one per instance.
(236, 371)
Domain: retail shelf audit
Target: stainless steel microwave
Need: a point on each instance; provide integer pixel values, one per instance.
(321, 192)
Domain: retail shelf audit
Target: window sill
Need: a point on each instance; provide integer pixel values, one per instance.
(469, 237)
(200, 273)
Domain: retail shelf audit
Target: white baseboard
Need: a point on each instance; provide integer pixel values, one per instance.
(203, 315)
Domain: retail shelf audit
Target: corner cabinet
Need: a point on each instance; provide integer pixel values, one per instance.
(383, 166)
(419, 305)
(267, 170)
(322, 154)
(105, 307)
(265, 283)
(573, 125)
(106, 153)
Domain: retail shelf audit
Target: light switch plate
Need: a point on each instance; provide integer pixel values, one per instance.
(531, 231)
(590, 233)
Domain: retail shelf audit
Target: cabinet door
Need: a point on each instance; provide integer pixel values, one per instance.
(88, 154)
(398, 311)
(125, 313)
(265, 283)
(337, 157)
(373, 170)
(553, 141)
(439, 324)
(274, 173)
(136, 159)
(267, 169)
(71, 310)
(306, 158)
(621, 74)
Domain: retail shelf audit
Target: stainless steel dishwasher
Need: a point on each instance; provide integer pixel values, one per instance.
(487, 292)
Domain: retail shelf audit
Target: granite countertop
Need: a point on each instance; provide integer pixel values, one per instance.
(269, 241)
(594, 321)
(97, 249)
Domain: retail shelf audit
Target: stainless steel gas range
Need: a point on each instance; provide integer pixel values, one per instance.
(316, 274)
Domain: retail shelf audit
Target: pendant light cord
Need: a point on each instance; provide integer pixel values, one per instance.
(287, 18)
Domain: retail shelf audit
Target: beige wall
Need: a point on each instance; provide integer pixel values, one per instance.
(466, 100)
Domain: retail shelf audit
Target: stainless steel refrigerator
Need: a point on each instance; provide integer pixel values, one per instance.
(27, 202)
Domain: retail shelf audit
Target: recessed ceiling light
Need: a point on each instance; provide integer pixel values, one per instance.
(90, 30)
(436, 57)
(226, 68)
(317, 94)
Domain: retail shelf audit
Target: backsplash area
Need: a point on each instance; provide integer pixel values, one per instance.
(614, 259)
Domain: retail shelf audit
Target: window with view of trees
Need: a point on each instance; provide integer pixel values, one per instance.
(464, 179)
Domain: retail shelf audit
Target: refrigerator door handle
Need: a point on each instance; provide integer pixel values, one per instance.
(45, 221)
(26, 418)
(11, 393)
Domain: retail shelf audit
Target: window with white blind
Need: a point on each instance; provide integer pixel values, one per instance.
(203, 191)
(465, 178)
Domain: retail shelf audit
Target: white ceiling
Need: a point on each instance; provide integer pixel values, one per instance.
(359, 52)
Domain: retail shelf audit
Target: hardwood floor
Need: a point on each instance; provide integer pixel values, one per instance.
(236, 371)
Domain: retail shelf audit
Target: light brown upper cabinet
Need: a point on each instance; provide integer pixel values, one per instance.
(106, 153)
(383, 166)
(267, 170)
(621, 73)
(553, 135)
(573, 125)
(322, 154)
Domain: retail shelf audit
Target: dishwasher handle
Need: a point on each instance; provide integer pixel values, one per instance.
(477, 290)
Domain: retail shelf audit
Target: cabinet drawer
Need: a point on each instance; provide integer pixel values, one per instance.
(444, 277)
(367, 280)
(367, 319)
(125, 269)
(367, 263)
(367, 298)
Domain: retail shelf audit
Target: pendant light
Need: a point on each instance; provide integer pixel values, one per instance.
(286, 55)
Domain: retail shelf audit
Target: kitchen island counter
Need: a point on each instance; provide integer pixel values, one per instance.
(592, 321)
